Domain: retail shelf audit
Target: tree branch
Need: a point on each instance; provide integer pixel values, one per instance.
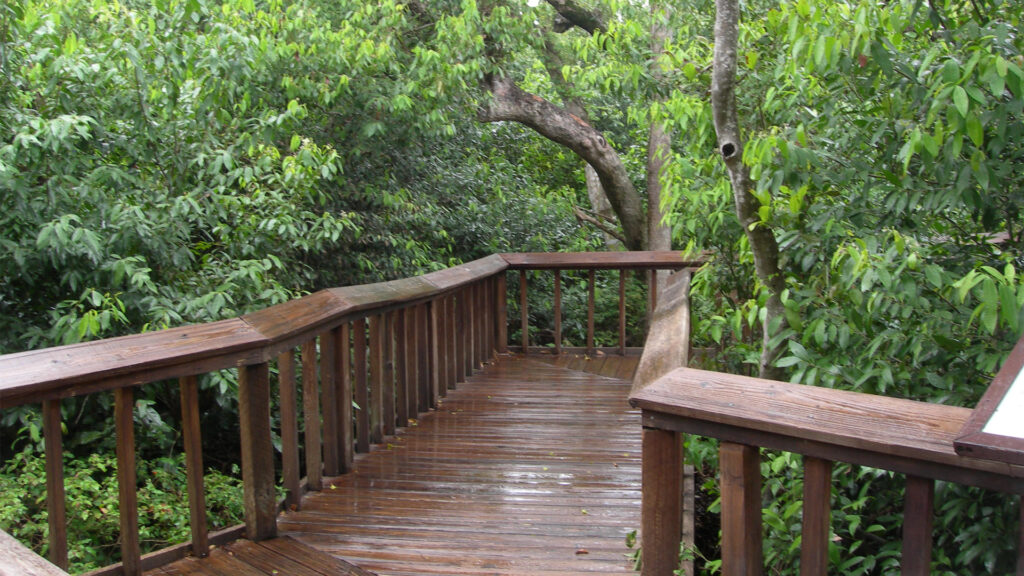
(572, 14)
(582, 216)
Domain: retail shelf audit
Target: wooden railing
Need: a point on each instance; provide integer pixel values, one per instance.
(825, 426)
(392, 348)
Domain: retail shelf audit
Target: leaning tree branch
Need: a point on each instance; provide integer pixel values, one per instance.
(572, 14)
(583, 216)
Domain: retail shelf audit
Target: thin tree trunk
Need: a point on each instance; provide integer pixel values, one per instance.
(659, 145)
(730, 145)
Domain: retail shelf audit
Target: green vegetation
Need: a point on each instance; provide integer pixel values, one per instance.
(182, 161)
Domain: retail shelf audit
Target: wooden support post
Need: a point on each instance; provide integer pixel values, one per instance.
(524, 321)
(590, 311)
(343, 357)
(661, 501)
(329, 402)
(817, 516)
(56, 501)
(917, 526)
(501, 314)
(742, 542)
(434, 348)
(451, 341)
(289, 431)
(257, 452)
(469, 308)
(459, 330)
(376, 379)
(414, 401)
(362, 397)
(558, 312)
(403, 342)
(423, 385)
(388, 392)
(311, 416)
(193, 441)
(127, 484)
(622, 312)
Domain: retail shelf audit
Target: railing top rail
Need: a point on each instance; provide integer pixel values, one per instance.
(891, 433)
(666, 260)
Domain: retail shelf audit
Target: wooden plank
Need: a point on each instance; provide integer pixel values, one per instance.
(501, 313)
(311, 416)
(329, 402)
(557, 304)
(289, 430)
(127, 488)
(412, 370)
(423, 355)
(463, 274)
(257, 451)
(918, 509)
(403, 391)
(816, 517)
(433, 344)
(56, 501)
(590, 311)
(666, 260)
(193, 445)
(362, 396)
(298, 320)
(471, 329)
(18, 560)
(524, 320)
(388, 392)
(312, 558)
(376, 379)
(622, 312)
(450, 327)
(740, 481)
(344, 359)
(662, 501)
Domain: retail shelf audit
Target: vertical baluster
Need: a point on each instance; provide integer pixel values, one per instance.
(289, 430)
(816, 516)
(917, 526)
(465, 350)
(376, 379)
(740, 470)
(193, 441)
(451, 351)
(480, 311)
(523, 316)
(423, 354)
(402, 388)
(126, 481)
(388, 392)
(311, 416)
(343, 357)
(469, 308)
(622, 311)
(411, 373)
(501, 313)
(257, 452)
(329, 401)
(661, 503)
(590, 311)
(486, 317)
(56, 502)
(457, 345)
(362, 398)
(558, 311)
(434, 348)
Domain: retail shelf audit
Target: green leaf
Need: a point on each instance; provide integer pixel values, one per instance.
(960, 100)
(975, 131)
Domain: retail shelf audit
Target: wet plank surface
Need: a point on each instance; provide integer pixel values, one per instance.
(527, 469)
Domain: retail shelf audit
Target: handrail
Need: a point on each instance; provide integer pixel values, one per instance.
(18, 560)
(824, 425)
(393, 348)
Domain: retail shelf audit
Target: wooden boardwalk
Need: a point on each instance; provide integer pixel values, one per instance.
(529, 468)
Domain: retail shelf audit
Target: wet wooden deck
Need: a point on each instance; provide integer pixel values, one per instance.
(529, 468)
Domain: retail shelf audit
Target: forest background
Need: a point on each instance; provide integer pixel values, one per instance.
(180, 161)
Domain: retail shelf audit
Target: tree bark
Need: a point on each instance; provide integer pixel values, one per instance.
(511, 103)
(659, 144)
(730, 145)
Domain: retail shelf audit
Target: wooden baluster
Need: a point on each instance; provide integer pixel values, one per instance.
(193, 443)
(816, 517)
(127, 484)
(388, 404)
(558, 312)
(451, 328)
(487, 319)
(661, 501)
(917, 526)
(469, 307)
(289, 431)
(56, 502)
(411, 369)
(257, 452)
(311, 416)
(462, 335)
(590, 311)
(501, 313)
(423, 388)
(402, 389)
(329, 402)
(622, 312)
(376, 380)
(523, 316)
(362, 398)
(740, 470)
(480, 312)
(343, 358)
(434, 338)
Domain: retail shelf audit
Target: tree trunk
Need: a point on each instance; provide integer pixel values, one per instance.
(730, 145)
(659, 145)
(511, 103)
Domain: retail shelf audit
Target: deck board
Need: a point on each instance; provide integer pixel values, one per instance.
(527, 468)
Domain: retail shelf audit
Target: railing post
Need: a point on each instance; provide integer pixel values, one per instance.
(56, 514)
(362, 398)
(193, 440)
(590, 311)
(622, 311)
(311, 416)
(329, 401)
(433, 344)
(523, 316)
(423, 384)
(450, 325)
(257, 452)
(126, 481)
(917, 526)
(376, 380)
(558, 312)
(661, 501)
(742, 542)
(403, 391)
(388, 392)
(817, 513)
(501, 313)
(343, 358)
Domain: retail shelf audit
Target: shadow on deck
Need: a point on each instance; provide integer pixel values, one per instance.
(527, 468)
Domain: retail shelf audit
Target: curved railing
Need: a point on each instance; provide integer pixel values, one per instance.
(393, 348)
